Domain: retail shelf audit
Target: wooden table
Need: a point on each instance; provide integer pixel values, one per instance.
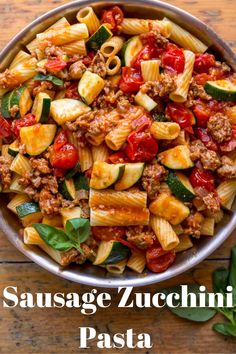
(56, 330)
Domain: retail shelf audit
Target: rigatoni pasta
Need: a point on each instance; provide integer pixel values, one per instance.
(164, 233)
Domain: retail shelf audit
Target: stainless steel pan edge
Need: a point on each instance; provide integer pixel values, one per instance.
(92, 275)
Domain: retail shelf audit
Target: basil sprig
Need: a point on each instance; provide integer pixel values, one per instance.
(77, 231)
(221, 278)
(55, 80)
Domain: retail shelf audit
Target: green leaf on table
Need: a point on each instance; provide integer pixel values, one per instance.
(220, 280)
(55, 80)
(227, 329)
(197, 314)
(53, 237)
(78, 230)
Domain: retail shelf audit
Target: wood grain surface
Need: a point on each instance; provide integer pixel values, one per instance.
(54, 331)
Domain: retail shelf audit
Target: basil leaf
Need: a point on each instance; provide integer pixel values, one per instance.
(227, 329)
(53, 237)
(220, 280)
(53, 79)
(232, 274)
(197, 314)
(159, 117)
(78, 230)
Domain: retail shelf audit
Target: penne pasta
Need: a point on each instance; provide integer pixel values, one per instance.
(165, 130)
(185, 39)
(112, 46)
(164, 233)
(117, 199)
(113, 65)
(150, 70)
(100, 152)
(117, 268)
(226, 192)
(119, 217)
(85, 157)
(185, 243)
(137, 262)
(87, 15)
(183, 79)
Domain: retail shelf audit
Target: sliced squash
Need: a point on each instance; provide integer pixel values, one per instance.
(67, 109)
(41, 107)
(104, 174)
(177, 158)
(90, 85)
(132, 173)
(37, 138)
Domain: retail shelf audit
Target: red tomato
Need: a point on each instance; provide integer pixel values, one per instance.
(229, 145)
(173, 59)
(201, 178)
(179, 114)
(65, 158)
(104, 233)
(141, 147)
(5, 128)
(72, 91)
(129, 244)
(88, 59)
(203, 62)
(142, 123)
(113, 17)
(26, 121)
(58, 172)
(60, 140)
(147, 53)
(201, 79)
(215, 73)
(206, 138)
(202, 114)
(131, 80)
(118, 157)
(159, 260)
(55, 64)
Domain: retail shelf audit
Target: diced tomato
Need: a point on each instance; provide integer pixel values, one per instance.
(215, 73)
(26, 121)
(5, 128)
(203, 62)
(173, 59)
(63, 155)
(159, 260)
(202, 113)
(147, 53)
(118, 157)
(113, 17)
(129, 244)
(141, 123)
(58, 172)
(141, 147)
(131, 80)
(179, 114)
(206, 138)
(89, 58)
(229, 145)
(201, 79)
(72, 91)
(202, 178)
(55, 64)
(104, 233)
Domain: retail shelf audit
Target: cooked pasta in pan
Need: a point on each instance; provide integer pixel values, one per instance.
(117, 140)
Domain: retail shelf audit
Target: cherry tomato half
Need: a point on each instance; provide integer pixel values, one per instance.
(104, 233)
(147, 53)
(141, 147)
(206, 138)
(179, 114)
(5, 128)
(159, 260)
(131, 80)
(118, 157)
(202, 113)
(173, 59)
(141, 123)
(55, 64)
(113, 17)
(65, 158)
(203, 62)
(26, 121)
(201, 178)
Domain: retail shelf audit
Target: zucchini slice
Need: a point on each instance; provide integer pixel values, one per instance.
(67, 110)
(111, 252)
(21, 97)
(132, 173)
(99, 37)
(81, 182)
(41, 107)
(130, 49)
(67, 189)
(180, 186)
(104, 174)
(29, 213)
(89, 87)
(221, 90)
(38, 137)
(69, 174)
(177, 158)
(13, 148)
(5, 105)
(142, 99)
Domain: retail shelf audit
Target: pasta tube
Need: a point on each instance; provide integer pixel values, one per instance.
(88, 16)
(134, 26)
(226, 192)
(185, 243)
(119, 217)
(207, 226)
(100, 152)
(183, 79)
(76, 47)
(117, 137)
(117, 268)
(164, 233)
(150, 70)
(17, 200)
(111, 47)
(20, 58)
(137, 262)
(165, 130)
(113, 65)
(64, 35)
(20, 165)
(85, 157)
(31, 237)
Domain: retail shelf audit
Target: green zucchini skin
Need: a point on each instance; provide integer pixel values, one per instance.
(67, 189)
(81, 182)
(218, 93)
(13, 149)
(27, 208)
(71, 173)
(178, 189)
(118, 252)
(130, 49)
(45, 110)
(98, 38)
(5, 105)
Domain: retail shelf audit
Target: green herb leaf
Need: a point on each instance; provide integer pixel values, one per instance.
(197, 314)
(220, 280)
(159, 117)
(55, 80)
(226, 329)
(78, 230)
(53, 237)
